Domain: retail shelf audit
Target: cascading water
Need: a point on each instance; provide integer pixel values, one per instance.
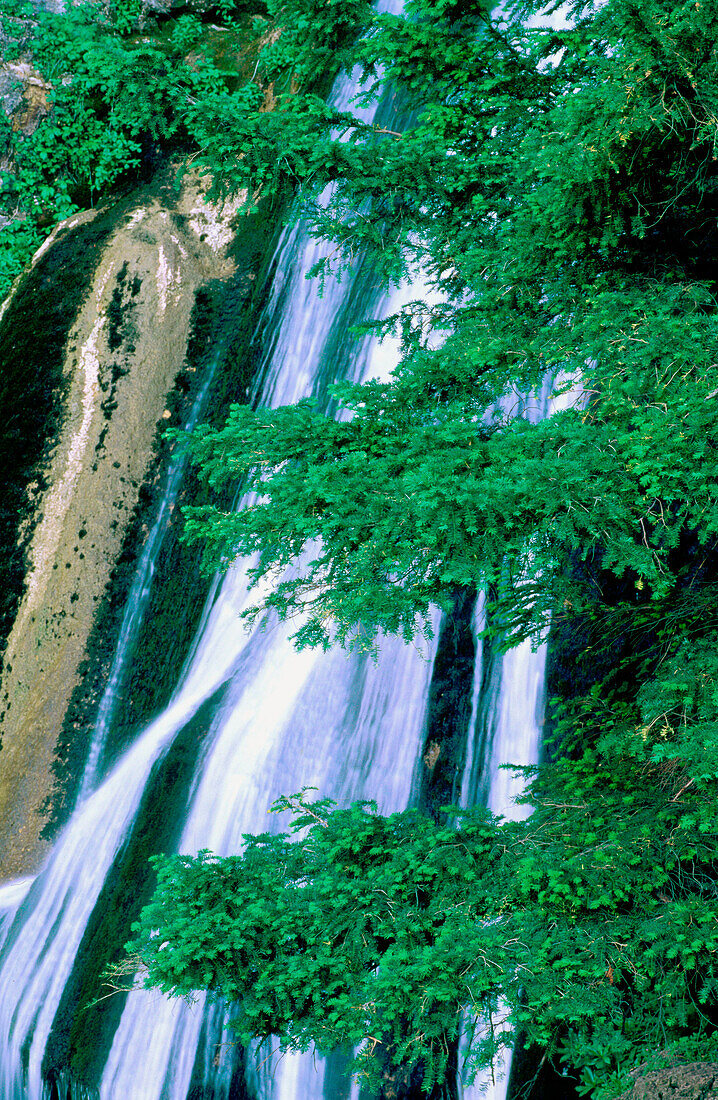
(138, 598)
(273, 720)
(507, 719)
(285, 720)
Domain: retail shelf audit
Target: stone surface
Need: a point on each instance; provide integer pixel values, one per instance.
(123, 354)
(23, 96)
(696, 1081)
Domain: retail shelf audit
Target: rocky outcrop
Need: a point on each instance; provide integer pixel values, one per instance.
(122, 352)
(24, 96)
(697, 1081)
(25, 101)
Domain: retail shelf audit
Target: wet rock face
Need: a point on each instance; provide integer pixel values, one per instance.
(119, 358)
(697, 1081)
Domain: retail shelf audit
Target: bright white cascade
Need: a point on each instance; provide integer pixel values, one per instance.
(346, 725)
(138, 598)
(282, 720)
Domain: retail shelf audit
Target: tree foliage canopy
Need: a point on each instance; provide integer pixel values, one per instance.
(557, 187)
(591, 926)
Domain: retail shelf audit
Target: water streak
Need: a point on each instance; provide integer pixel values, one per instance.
(287, 719)
(139, 595)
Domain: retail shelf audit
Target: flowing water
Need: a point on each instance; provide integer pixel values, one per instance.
(265, 720)
(141, 588)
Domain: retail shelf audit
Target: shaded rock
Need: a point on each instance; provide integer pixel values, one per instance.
(10, 90)
(55, 6)
(697, 1081)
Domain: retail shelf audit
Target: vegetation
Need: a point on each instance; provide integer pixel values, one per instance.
(592, 926)
(124, 88)
(558, 188)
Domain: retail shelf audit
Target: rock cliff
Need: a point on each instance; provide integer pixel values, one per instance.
(124, 346)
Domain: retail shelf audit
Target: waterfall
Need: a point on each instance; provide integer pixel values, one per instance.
(279, 720)
(271, 720)
(507, 718)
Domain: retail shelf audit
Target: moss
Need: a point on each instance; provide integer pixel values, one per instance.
(120, 328)
(79, 720)
(225, 320)
(33, 388)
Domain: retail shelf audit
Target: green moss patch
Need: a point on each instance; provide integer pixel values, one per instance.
(33, 334)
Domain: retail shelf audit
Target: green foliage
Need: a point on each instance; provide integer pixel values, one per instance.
(559, 187)
(376, 900)
(107, 94)
(594, 922)
(126, 87)
(122, 91)
(311, 39)
(413, 495)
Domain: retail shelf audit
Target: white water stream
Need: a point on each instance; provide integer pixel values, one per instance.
(284, 720)
(141, 588)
